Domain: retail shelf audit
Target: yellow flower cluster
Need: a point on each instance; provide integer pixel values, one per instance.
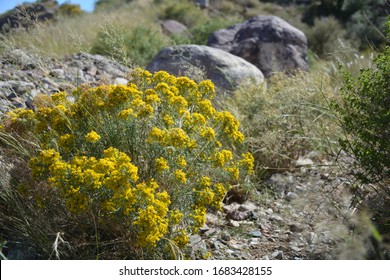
(161, 164)
(108, 150)
(229, 125)
(92, 137)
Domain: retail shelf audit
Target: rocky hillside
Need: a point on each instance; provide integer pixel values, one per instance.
(301, 211)
(23, 76)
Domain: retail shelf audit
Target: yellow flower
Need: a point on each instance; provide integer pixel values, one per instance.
(181, 238)
(59, 97)
(92, 136)
(125, 114)
(206, 108)
(177, 137)
(161, 164)
(186, 84)
(152, 227)
(222, 157)
(206, 196)
(164, 89)
(163, 76)
(181, 161)
(198, 119)
(65, 141)
(151, 97)
(180, 176)
(168, 120)
(20, 113)
(234, 172)
(199, 217)
(176, 216)
(206, 88)
(156, 134)
(247, 162)
(230, 125)
(208, 133)
(205, 181)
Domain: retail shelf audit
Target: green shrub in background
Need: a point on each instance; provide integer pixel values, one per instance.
(365, 116)
(135, 46)
(323, 35)
(185, 12)
(286, 119)
(364, 112)
(134, 166)
(202, 31)
(364, 20)
(71, 10)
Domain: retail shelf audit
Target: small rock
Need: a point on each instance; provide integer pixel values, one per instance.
(173, 27)
(314, 155)
(198, 244)
(311, 237)
(57, 73)
(294, 248)
(254, 241)
(91, 70)
(291, 195)
(120, 81)
(237, 215)
(277, 255)
(236, 246)
(230, 252)
(217, 245)
(203, 229)
(248, 206)
(303, 162)
(275, 218)
(225, 236)
(296, 227)
(236, 194)
(50, 82)
(233, 223)
(325, 176)
(255, 233)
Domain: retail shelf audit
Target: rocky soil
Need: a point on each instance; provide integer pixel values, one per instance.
(23, 75)
(303, 214)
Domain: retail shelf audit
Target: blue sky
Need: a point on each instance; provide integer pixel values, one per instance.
(86, 5)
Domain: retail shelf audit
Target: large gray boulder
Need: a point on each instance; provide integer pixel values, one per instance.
(268, 42)
(227, 71)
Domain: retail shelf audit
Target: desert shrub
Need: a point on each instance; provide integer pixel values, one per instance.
(185, 12)
(364, 20)
(108, 5)
(286, 119)
(67, 9)
(202, 32)
(323, 34)
(135, 166)
(137, 45)
(365, 116)
(364, 112)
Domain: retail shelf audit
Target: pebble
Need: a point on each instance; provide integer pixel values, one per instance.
(233, 223)
(275, 218)
(255, 233)
(311, 237)
(277, 255)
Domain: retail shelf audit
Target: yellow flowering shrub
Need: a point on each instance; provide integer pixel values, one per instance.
(153, 155)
